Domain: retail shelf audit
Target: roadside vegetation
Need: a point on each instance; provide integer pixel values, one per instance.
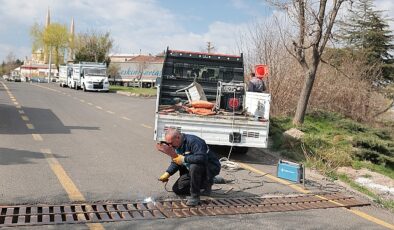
(332, 141)
(136, 90)
(348, 122)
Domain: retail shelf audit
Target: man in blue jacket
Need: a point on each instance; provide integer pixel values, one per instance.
(196, 163)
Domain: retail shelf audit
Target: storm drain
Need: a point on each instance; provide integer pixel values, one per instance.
(110, 212)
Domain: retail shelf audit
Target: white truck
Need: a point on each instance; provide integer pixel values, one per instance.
(65, 73)
(240, 119)
(90, 76)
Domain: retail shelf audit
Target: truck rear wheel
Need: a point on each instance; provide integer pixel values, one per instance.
(84, 88)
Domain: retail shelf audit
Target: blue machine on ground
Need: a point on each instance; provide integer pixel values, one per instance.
(290, 171)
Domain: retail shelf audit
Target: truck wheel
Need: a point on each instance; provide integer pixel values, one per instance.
(83, 87)
(75, 86)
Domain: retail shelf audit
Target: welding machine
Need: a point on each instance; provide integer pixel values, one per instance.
(290, 171)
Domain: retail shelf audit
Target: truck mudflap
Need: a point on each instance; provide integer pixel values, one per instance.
(216, 131)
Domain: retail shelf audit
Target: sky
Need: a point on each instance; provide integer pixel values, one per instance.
(140, 26)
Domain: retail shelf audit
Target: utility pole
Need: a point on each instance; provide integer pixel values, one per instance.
(209, 47)
(50, 64)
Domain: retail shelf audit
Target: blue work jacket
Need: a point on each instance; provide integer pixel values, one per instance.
(196, 151)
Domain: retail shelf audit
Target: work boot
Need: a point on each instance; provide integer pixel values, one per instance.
(207, 191)
(193, 201)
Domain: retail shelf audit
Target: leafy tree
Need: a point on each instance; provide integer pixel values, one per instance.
(367, 33)
(54, 37)
(94, 47)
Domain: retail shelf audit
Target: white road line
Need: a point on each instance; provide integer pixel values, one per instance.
(82, 101)
(25, 118)
(98, 107)
(126, 118)
(30, 126)
(21, 111)
(90, 103)
(37, 137)
(146, 126)
(109, 111)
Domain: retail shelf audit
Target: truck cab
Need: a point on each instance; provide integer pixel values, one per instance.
(90, 76)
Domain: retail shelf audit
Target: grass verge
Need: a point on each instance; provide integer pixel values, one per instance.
(331, 141)
(143, 91)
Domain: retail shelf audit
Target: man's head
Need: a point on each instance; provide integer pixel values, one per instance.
(174, 138)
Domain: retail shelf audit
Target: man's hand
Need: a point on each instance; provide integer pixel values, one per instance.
(166, 149)
(179, 159)
(164, 177)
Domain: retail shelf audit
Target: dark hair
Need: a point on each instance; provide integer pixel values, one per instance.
(252, 74)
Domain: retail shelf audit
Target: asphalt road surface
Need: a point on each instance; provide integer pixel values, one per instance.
(58, 145)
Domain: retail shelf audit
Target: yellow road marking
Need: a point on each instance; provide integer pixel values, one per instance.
(146, 126)
(73, 192)
(25, 118)
(21, 111)
(13, 99)
(108, 111)
(37, 137)
(16, 103)
(300, 189)
(371, 218)
(126, 118)
(18, 106)
(98, 107)
(30, 126)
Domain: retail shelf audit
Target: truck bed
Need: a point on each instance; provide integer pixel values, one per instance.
(215, 129)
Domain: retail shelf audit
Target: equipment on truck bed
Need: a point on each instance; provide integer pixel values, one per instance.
(230, 96)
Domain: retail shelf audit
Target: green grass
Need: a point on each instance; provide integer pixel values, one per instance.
(333, 141)
(389, 204)
(143, 91)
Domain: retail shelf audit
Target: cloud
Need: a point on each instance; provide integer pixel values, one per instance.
(387, 6)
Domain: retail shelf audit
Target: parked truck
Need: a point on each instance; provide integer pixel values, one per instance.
(65, 74)
(239, 119)
(90, 76)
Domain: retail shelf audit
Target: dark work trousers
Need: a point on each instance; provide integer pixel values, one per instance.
(190, 182)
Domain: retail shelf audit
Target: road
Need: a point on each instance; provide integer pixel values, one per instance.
(59, 145)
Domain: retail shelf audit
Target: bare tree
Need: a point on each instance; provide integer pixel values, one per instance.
(314, 21)
(142, 65)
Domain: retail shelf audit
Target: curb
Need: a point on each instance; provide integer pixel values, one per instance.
(134, 94)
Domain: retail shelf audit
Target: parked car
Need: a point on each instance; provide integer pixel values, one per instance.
(17, 78)
(39, 79)
(5, 77)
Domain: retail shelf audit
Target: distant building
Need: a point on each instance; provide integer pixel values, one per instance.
(138, 70)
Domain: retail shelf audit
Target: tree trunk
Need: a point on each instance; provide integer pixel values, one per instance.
(304, 96)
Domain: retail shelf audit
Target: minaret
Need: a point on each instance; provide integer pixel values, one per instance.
(47, 23)
(48, 19)
(71, 40)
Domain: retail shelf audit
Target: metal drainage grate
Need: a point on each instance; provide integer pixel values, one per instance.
(109, 212)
